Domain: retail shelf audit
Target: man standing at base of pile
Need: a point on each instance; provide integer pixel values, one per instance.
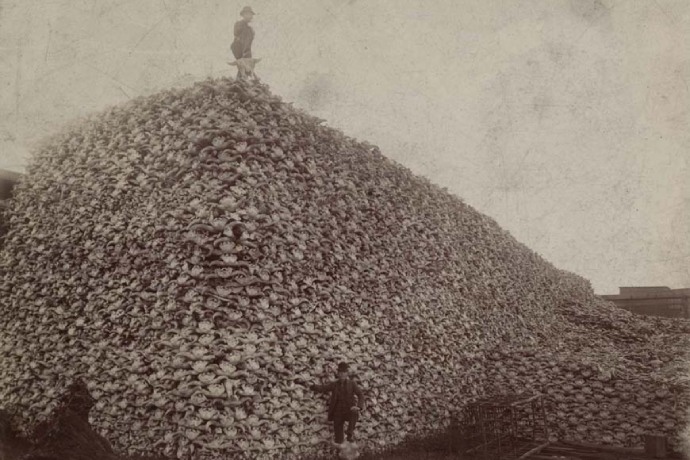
(341, 406)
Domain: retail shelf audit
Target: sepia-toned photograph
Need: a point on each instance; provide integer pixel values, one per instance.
(344, 229)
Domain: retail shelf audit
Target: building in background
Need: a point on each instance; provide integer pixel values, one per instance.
(8, 180)
(653, 301)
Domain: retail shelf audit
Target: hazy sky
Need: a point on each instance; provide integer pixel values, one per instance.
(564, 120)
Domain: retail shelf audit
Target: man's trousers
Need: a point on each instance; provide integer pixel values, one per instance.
(339, 420)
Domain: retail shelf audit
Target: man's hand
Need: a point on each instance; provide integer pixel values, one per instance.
(355, 408)
(313, 387)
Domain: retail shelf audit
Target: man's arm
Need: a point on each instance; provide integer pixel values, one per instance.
(239, 28)
(360, 396)
(325, 388)
(248, 37)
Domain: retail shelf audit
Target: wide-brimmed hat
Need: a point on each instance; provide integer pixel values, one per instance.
(247, 9)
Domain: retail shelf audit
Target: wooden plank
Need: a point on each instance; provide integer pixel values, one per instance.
(533, 451)
(616, 449)
(585, 451)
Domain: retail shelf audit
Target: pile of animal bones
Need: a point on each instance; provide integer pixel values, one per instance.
(201, 255)
(611, 380)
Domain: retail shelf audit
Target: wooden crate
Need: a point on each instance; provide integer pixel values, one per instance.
(656, 446)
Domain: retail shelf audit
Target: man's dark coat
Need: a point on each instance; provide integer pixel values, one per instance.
(244, 36)
(347, 390)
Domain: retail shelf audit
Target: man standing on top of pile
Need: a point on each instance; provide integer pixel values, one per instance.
(244, 35)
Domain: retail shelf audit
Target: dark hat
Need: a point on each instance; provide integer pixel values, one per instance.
(343, 367)
(247, 9)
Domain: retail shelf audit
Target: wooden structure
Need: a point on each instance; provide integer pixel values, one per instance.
(504, 427)
(655, 446)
